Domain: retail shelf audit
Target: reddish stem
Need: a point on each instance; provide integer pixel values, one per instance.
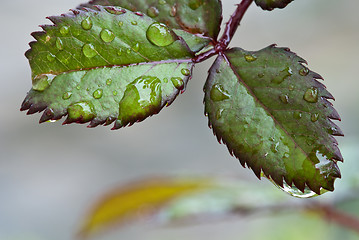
(230, 30)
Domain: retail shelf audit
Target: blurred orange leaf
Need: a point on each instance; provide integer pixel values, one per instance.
(138, 200)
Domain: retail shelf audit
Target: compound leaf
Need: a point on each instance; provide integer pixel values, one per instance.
(196, 21)
(272, 4)
(105, 64)
(272, 113)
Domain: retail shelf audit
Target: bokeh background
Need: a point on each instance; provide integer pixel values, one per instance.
(51, 175)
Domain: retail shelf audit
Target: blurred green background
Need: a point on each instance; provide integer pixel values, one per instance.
(50, 175)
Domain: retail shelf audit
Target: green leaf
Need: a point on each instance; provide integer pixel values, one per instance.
(272, 113)
(272, 4)
(102, 65)
(196, 21)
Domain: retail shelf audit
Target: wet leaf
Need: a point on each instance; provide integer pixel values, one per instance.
(139, 200)
(274, 116)
(105, 65)
(196, 21)
(272, 4)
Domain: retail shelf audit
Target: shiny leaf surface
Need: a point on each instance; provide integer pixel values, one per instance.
(274, 116)
(105, 65)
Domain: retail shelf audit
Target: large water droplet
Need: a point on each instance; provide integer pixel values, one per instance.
(152, 12)
(80, 112)
(89, 50)
(295, 192)
(311, 95)
(178, 83)
(107, 35)
(160, 35)
(42, 82)
(250, 58)
(98, 93)
(87, 23)
(142, 98)
(282, 75)
(64, 30)
(115, 10)
(218, 93)
(59, 44)
(185, 71)
(67, 95)
(194, 4)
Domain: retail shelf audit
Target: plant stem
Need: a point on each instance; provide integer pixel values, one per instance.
(230, 30)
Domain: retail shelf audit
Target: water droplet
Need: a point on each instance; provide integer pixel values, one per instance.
(152, 12)
(250, 58)
(162, 2)
(291, 87)
(67, 95)
(297, 115)
(274, 147)
(128, 51)
(64, 30)
(75, 31)
(304, 71)
(51, 57)
(89, 50)
(115, 93)
(78, 87)
(134, 23)
(108, 82)
(80, 112)
(165, 80)
(194, 4)
(86, 23)
(218, 93)
(42, 82)
(260, 75)
(178, 83)
(219, 114)
(282, 75)
(136, 47)
(142, 98)
(115, 10)
(284, 98)
(314, 117)
(160, 35)
(120, 24)
(47, 38)
(107, 35)
(173, 11)
(59, 44)
(286, 155)
(185, 71)
(311, 95)
(98, 93)
(119, 52)
(295, 192)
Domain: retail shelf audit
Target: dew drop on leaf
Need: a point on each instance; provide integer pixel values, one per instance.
(173, 11)
(136, 47)
(219, 114)
(177, 82)
(291, 87)
(86, 24)
(152, 12)
(218, 93)
(311, 95)
(120, 24)
(50, 57)
(304, 71)
(81, 111)
(115, 93)
(64, 30)
(295, 192)
(107, 35)
(283, 75)
(42, 82)
(67, 95)
(115, 10)
(297, 115)
(250, 58)
(59, 44)
(284, 98)
(98, 93)
(89, 50)
(109, 82)
(160, 35)
(162, 2)
(134, 23)
(185, 72)
(314, 117)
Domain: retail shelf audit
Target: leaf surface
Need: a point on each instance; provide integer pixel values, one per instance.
(105, 65)
(272, 113)
(137, 201)
(196, 21)
(272, 4)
